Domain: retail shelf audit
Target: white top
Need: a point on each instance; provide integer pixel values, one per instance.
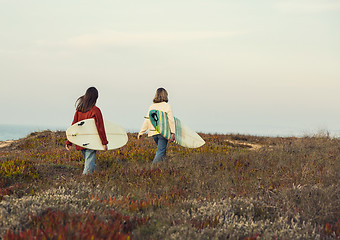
(147, 125)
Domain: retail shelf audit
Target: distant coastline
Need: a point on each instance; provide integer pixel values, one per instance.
(14, 132)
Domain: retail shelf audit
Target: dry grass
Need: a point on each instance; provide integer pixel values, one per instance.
(284, 188)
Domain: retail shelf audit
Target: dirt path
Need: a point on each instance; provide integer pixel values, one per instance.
(250, 146)
(4, 144)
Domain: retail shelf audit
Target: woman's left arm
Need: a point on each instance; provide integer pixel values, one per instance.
(171, 120)
(98, 118)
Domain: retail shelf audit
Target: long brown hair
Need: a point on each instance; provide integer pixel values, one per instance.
(87, 101)
(161, 96)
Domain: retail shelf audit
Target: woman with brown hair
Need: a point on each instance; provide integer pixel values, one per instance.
(160, 102)
(86, 108)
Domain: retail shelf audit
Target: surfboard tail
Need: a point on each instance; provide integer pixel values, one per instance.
(184, 135)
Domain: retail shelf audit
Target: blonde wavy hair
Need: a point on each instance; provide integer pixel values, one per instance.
(161, 96)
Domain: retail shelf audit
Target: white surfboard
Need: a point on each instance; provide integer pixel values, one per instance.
(85, 134)
(184, 135)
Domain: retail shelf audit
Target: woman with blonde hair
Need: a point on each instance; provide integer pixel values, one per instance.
(160, 102)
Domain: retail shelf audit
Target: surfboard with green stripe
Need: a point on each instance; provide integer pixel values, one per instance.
(184, 135)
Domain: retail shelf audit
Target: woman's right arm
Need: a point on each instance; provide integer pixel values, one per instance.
(75, 120)
(144, 128)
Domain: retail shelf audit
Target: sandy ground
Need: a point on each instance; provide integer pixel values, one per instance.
(6, 143)
(251, 146)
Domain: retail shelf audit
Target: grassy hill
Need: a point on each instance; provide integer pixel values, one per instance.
(234, 187)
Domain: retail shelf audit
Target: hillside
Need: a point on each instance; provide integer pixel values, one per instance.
(234, 187)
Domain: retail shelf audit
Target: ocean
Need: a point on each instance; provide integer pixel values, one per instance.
(14, 132)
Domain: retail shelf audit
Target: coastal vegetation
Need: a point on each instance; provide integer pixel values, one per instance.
(233, 187)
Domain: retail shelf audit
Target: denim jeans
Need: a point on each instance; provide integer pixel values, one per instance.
(90, 157)
(161, 147)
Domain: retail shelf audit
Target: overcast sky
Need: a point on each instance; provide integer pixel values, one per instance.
(257, 67)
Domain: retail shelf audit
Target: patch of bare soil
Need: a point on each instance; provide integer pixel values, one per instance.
(250, 146)
(4, 144)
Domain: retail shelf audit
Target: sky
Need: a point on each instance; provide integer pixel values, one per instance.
(261, 67)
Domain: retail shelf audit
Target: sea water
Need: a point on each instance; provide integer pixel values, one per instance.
(14, 132)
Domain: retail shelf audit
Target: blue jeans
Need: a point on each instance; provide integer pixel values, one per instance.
(90, 157)
(161, 147)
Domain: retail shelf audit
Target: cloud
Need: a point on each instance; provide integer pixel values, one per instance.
(309, 6)
(113, 38)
